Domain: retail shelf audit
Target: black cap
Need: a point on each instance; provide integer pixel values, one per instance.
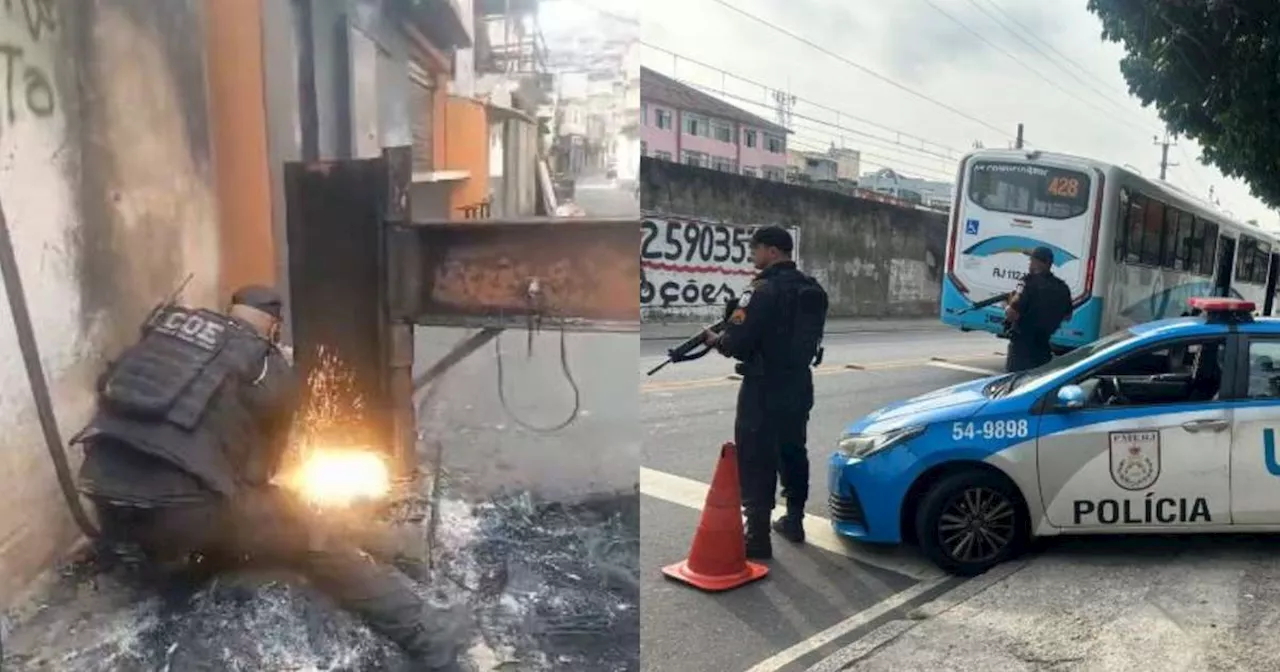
(1043, 254)
(773, 236)
(263, 298)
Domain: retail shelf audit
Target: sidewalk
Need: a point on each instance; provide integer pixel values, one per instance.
(671, 331)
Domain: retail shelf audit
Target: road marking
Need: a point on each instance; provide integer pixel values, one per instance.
(867, 645)
(692, 494)
(697, 383)
(789, 655)
(942, 364)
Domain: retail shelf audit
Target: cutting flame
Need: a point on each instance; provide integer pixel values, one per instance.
(337, 477)
(331, 461)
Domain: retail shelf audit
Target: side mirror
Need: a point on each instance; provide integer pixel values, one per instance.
(1071, 397)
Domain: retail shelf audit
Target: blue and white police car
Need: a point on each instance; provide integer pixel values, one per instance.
(1164, 427)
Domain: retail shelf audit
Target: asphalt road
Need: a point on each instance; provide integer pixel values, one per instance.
(820, 596)
(1102, 604)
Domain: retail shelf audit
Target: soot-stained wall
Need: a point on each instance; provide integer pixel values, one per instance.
(875, 259)
(106, 183)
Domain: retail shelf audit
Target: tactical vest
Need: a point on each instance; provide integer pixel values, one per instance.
(173, 373)
(809, 320)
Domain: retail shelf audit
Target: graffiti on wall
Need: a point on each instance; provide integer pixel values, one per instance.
(690, 265)
(28, 86)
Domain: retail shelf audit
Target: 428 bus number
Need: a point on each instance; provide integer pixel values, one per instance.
(991, 429)
(1064, 187)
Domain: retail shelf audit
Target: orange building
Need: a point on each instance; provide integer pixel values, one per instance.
(311, 79)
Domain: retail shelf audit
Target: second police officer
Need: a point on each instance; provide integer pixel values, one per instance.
(776, 335)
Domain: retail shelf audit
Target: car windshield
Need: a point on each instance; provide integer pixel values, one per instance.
(1015, 381)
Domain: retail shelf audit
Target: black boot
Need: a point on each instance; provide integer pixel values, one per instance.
(759, 546)
(791, 525)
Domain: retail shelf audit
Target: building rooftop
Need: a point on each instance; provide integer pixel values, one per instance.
(659, 88)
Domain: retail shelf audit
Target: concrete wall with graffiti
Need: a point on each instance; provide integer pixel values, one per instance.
(690, 267)
(875, 259)
(105, 183)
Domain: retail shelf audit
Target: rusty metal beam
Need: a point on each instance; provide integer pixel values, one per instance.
(448, 273)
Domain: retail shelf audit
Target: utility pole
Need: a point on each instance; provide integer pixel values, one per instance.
(1018, 142)
(1164, 154)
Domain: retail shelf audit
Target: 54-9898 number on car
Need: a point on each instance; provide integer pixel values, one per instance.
(990, 429)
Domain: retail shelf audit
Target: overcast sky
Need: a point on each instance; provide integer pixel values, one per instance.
(1073, 100)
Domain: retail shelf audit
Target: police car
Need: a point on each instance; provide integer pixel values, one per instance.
(1164, 427)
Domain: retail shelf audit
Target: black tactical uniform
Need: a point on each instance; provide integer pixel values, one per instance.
(1043, 304)
(776, 334)
(191, 425)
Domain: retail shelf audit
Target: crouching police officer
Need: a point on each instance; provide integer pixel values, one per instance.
(776, 335)
(1037, 309)
(192, 422)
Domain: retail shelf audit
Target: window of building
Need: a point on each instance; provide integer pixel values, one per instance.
(662, 156)
(644, 113)
(691, 158)
(772, 173)
(749, 138)
(750, 171)
(724, 164)
(695, 125)
(662, 118)
(774, 144)
(644, 148)
(722, 131)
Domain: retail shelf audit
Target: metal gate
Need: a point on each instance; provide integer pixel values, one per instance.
(362, 273)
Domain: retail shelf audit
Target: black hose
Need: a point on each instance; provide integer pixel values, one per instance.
(35, 375)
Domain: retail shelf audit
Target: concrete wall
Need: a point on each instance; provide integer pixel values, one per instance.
(106, 183)
(875, 259)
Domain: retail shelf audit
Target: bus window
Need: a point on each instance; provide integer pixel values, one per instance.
(1122, 228)
(1170, 256)
(1024, 189)
(1245, 255)
(1186, 249)
(1152, 232)
(1133, 239)
(1207, 239)
(1262, 262)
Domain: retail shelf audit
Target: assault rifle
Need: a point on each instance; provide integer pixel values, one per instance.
(168, 302)
(985, 302)
(688, 350)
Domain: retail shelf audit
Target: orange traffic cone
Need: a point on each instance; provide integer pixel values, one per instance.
(718, 559)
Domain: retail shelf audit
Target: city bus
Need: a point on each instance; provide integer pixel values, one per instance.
(1131, 249)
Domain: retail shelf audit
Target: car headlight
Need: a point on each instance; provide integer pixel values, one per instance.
(865, 445)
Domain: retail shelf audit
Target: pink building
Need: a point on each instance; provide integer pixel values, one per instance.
(681, 123)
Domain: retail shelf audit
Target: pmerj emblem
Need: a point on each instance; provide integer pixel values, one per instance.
(1135, 459)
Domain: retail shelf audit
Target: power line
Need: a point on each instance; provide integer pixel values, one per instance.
(862, 68)
(826, 135)
(877, 160)
(746, 100)
(838, 112)
(1046, 43)
(1056, 62)
(1020, 63)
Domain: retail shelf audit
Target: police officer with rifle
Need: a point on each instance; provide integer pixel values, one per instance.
(191, 424)
(775, 333)
(1041, 304)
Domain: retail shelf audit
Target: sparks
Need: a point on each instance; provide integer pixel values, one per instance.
(331, 461)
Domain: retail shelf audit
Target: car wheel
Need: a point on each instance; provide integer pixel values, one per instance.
(970, 522)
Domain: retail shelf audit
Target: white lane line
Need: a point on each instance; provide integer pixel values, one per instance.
(867, 645)
(692, 494)
(962, 367)
(787, 656)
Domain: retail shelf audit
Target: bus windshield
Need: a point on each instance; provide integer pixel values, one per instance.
(1026, 189)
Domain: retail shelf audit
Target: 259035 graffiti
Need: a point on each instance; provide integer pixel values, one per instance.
(692, 265)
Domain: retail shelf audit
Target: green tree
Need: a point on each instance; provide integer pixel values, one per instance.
(1212, 70)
